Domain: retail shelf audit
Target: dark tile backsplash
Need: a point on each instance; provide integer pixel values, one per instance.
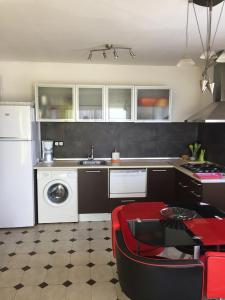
(131, 139)
(212, 137)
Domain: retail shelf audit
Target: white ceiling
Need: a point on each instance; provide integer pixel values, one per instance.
(64, 30)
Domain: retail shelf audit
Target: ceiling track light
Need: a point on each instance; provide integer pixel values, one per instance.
(111, 48)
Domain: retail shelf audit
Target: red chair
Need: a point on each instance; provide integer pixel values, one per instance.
(154, 278)
(143, 210)
(214, 274)
(115, 227)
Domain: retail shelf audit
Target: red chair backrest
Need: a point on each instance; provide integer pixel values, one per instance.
(143, 210)
(215, 274)
(115, 226)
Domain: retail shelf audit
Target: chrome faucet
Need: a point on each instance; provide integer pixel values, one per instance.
(91, 155)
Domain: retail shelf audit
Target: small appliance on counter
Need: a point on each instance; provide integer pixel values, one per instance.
(115, 157)
(47, 151)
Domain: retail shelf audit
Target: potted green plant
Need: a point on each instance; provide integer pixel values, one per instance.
(194, 150)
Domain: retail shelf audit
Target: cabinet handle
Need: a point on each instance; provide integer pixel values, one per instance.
(94, 171)
(127, 201)
(182, 185)
(196, 183)
(159, 170)
(195, 194)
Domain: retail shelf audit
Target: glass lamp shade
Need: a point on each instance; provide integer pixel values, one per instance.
(221, 58)
(186, 62)
(205, 54)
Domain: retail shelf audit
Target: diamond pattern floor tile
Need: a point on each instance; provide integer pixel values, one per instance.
(58, 261)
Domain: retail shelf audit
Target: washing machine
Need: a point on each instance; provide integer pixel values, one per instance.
(57, 196)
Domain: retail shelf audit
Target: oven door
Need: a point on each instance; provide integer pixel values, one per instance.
(126, 183)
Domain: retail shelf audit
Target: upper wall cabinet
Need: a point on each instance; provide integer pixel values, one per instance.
(119, 103)
(55, 103)
(90, 103)
(102, 103)
(152, 104)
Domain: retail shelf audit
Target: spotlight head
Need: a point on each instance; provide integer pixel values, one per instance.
(132, 54)
(90, 55)
(115, 54)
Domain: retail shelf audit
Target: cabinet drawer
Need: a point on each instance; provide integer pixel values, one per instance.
(195, 186)
(187, 189)
(195, 195)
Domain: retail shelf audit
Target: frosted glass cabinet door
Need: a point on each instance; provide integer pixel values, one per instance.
(90, 103)
(119, 104)
(55, 103)
(153, 104)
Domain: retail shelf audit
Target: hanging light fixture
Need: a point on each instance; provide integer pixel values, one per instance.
(186, 60)
(110, 48)
(210, 56)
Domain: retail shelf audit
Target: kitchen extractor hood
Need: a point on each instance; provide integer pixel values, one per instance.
(214, 112)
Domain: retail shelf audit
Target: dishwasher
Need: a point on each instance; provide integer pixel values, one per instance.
(126, 183)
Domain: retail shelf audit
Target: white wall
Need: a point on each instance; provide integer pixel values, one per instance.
(17, 80)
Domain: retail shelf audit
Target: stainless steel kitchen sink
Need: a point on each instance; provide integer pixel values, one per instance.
(92, 162)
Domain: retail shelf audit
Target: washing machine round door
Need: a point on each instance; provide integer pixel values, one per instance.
(57, 193)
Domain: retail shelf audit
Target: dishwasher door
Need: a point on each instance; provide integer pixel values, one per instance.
(128, 183)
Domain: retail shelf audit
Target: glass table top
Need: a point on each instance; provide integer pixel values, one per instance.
(165, 233)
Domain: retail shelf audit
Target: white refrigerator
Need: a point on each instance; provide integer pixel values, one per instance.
(19, 151)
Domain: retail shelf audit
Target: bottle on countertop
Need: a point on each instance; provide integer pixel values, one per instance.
(115, 157)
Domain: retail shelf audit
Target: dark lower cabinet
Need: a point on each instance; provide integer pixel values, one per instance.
(93, 191)
(214, 194)
(189, 192)
(123, 201)
(160, 184)
(163, 184)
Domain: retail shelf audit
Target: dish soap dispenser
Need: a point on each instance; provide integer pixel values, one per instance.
(115, 157)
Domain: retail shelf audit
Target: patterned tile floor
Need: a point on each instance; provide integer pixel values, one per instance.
(58, 261)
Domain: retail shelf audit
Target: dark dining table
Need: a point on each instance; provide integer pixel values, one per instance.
(203, 230)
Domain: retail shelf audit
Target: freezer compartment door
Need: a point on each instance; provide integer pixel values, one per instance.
(16, 184)
(128, 183)
(15, 122)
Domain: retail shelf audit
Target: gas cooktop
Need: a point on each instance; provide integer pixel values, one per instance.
(204, 168)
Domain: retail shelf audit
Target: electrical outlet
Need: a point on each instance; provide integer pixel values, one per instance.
(61, 143)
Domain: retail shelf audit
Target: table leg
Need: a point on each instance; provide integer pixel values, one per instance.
(196, 252)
